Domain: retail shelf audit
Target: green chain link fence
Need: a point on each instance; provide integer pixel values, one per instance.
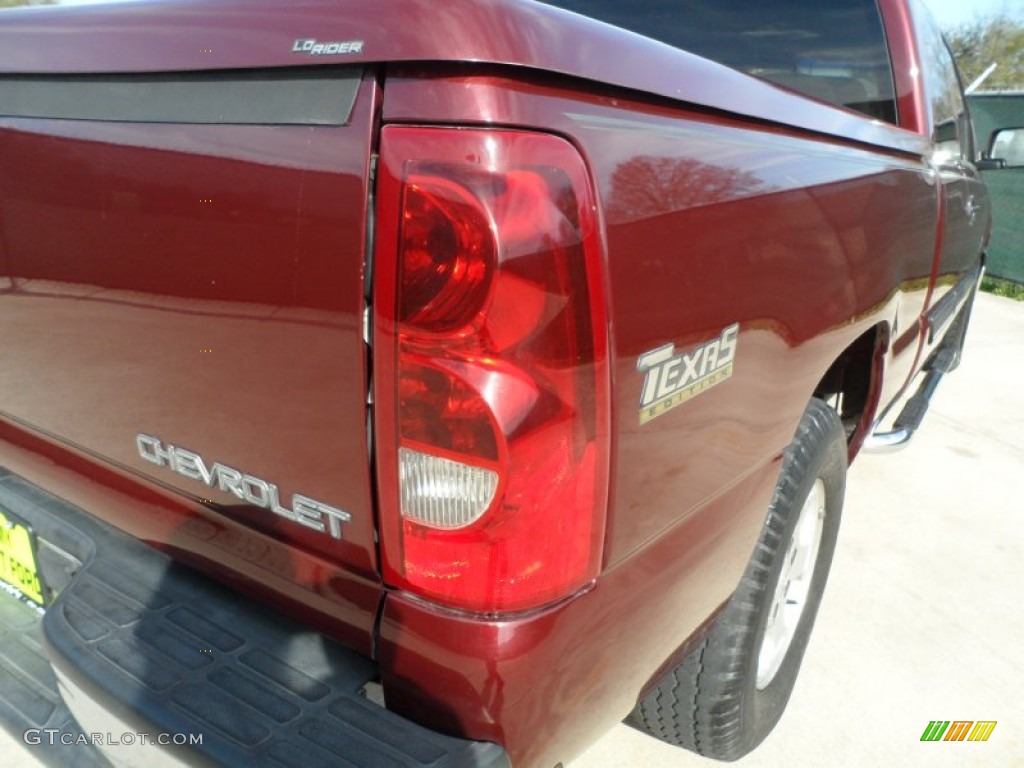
(992, 111)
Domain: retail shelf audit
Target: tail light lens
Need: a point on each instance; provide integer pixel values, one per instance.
(491, 368)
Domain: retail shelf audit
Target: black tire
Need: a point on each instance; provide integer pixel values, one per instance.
(713, 703)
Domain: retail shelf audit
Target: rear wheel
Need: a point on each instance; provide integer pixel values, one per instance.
(728, 694)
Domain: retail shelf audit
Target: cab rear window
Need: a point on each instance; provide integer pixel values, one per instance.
(831, 50)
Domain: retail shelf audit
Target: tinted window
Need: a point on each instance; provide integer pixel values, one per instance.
(833, 50)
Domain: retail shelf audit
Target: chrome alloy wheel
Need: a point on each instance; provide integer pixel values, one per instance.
(793, 586)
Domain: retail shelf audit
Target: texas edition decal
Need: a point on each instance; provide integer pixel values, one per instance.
(673, 379)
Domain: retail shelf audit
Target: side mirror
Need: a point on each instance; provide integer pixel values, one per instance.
(1005, 150)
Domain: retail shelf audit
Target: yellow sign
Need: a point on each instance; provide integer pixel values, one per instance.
(17, 560)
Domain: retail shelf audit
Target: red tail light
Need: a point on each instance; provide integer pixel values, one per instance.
(491, 368)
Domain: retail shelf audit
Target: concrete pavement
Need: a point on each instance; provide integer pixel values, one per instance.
(922, 619)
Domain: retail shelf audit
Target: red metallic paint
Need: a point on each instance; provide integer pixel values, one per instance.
(811, 226)
(549, 684)
(308, 588)
(188, 35)
(809, 242)
(204, 286)
(911, 100)
(960, 236)
(709, 222)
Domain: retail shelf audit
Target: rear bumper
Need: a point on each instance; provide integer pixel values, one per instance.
(161, 666)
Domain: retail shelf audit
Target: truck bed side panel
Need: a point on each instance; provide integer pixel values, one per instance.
(807, 243)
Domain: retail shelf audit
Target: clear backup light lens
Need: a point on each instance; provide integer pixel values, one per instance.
(441, 493)
(490, 368)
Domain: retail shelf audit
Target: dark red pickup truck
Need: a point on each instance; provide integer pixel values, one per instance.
(426, 384)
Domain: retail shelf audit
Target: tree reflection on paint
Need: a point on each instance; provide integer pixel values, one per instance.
(647, 186)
